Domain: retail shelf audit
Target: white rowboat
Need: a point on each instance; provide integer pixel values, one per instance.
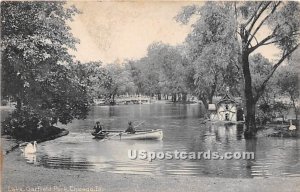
(156, 134)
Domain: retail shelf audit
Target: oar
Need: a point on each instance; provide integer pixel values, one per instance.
(115, 135)
(122, 132)
(107, 137)
(139, 124)
(118, 131)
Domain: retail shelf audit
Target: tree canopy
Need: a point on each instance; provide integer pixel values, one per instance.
(212, 49)
(276, 23)
(36, 63)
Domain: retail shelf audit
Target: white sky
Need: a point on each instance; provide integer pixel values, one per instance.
(115, 31)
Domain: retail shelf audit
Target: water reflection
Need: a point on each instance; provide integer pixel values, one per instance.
(183, 131)
(281, 158)
(66, 163)
(239, 131)
(251, 147)
(30, 157)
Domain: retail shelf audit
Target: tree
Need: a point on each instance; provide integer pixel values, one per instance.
(276, 22)
(91, 75)
(171, 67)
(117, 81)
(281, 19)
(35, 65)
(135, 71)
(268, 105)
(165, 70)
(212, 49)
(288, 81)
(145, 76)
(260, 67)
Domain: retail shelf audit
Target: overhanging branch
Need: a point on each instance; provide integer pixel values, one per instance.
(261, 89)
(252, 36)
(262, 22)
(261, 43)
(258, 15)
(252, 17)
(265, 41)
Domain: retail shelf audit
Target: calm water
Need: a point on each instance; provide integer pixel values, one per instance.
(183, 131)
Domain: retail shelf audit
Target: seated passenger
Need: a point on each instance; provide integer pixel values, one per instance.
(98, 127)
(130, 128)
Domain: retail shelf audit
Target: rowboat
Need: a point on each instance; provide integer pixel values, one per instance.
(141, 135)
(155, 134)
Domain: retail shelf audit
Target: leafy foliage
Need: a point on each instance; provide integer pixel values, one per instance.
(117, 81)
(288, 82)
(212, 49)
(91, 75)
(27, 125)
(165, 70)
(260, 67)
(36, 65)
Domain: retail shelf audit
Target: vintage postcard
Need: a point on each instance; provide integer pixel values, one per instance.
(171, 96)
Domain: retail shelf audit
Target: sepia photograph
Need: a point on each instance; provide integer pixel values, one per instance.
(150, 95)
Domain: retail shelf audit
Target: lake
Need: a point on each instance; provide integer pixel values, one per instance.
(183, 130)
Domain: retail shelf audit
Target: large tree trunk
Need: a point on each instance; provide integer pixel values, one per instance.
(212, 93)
(204, 101)
(250, 102)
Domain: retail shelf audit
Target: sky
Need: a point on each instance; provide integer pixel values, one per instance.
(116, 31)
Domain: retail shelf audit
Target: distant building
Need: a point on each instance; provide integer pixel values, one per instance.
(225, 109)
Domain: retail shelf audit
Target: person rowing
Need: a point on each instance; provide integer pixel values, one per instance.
(130, 128)
(98, 128)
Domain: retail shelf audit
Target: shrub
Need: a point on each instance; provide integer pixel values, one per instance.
(22, 124)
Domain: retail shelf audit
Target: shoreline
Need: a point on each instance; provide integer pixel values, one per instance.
(18, 175)
(11, 144)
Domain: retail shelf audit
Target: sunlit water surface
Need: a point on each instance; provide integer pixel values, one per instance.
(183, 130)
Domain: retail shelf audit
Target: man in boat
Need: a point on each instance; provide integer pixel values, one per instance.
(130, 128)
(98, 127)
